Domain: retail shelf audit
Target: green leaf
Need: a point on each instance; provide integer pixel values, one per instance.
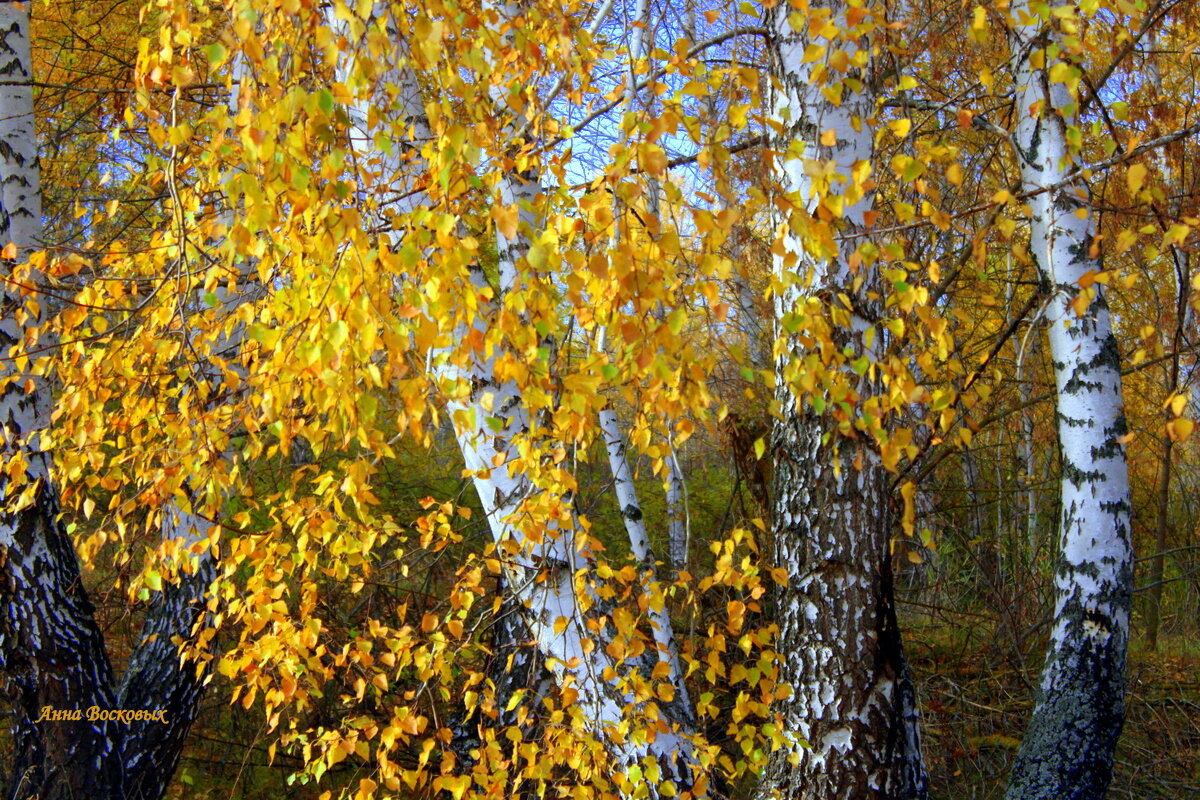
(215, 53)
(325, 101)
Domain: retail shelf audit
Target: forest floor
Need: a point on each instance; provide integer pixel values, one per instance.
(975, 689)
(976, 696)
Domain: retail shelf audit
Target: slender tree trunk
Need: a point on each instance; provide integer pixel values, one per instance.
(1068, 748)
(1028, 469)
(1162, 524)
(547, 572)
(677, 514)
(1184, 321)
(852, 714)
(639, 544)
(985, 556)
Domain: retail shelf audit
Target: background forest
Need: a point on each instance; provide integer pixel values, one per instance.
(630, 398)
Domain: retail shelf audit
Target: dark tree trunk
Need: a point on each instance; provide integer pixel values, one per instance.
(155, 679)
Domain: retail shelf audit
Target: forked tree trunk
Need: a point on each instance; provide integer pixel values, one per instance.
(1067, 752)
(852, 713)
(155, 678)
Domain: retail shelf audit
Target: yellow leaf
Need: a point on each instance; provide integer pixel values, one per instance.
(1136, 177)
(979, 24)
(908, 519)
(1178, 430)
(1080, 304)
(506, 220)
(652, 158)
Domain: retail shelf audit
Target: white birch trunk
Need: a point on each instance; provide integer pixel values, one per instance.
(852, 714)
(639, 544)
(51, 651)
(677, 513)
(1068, 748)
(548, 570)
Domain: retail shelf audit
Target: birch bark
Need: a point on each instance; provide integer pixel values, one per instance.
(852, 714)
(52, 655)
(1067, 751)
(548, 570)
(51, 651)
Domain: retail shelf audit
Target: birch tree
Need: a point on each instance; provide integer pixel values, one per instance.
(547, 570)
(852, 713)
(1068, 748)
(68, 740)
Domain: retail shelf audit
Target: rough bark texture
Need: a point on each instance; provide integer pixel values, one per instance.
(157, 678)
(52, 656)
(514, 666)
(853, 711)
(1067, 752)
(51, 651)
